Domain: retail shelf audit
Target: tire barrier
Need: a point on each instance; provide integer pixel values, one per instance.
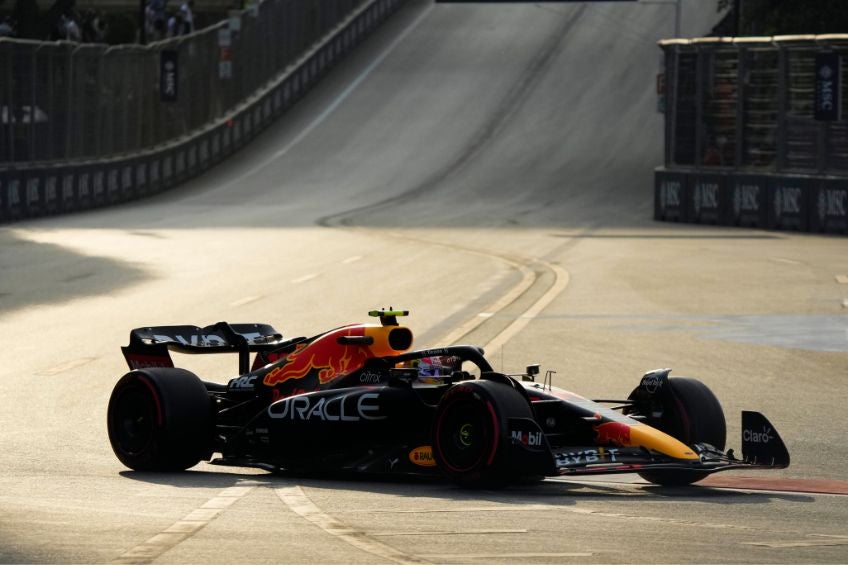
(769, 201)
(39, 189)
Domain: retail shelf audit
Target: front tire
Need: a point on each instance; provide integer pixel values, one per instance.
(691, 414)
(160, 420)
(471, 435)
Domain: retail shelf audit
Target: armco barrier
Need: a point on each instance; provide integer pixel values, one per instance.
(28, 191)
(773, 201)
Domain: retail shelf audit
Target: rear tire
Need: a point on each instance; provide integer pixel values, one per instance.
(471, 435)
(691, 414)
(160, 420)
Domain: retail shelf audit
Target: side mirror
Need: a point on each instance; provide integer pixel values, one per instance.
(532, 371)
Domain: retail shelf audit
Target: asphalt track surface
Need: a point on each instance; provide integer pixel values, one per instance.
(489, 168)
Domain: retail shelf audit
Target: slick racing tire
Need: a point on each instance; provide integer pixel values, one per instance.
(692, 414)
(471, 436)
(160, 420)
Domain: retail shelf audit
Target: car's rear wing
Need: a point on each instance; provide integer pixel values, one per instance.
(150, 347)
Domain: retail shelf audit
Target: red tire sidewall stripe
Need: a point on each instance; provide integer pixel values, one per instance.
(496, 436)
(160, 418)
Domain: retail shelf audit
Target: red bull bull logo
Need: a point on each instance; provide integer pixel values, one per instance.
(333, 355)
(327, 357)
(615, 433)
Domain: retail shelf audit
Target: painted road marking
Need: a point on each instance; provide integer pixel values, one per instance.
(812, 486)
(245, 300)
(67, 366)
(528, 277)
(449, 533)
(300, 504)
(305, 278)
(456, 557)
(842, 279)
(821, 540)
(353, 259)
(183, 529)
(560, 284)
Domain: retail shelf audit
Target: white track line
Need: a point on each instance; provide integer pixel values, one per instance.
(300, 504)
(183, 529)
(560, 284)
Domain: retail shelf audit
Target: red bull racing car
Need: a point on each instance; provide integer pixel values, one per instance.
(358, 399)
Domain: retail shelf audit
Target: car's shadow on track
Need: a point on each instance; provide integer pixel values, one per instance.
(546, 492)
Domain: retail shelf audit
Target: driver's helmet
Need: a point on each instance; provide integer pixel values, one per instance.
(437, 369)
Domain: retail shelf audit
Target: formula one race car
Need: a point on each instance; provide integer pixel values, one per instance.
(355, 399)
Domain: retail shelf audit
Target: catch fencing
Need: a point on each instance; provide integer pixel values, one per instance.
(89, 125)
(755, 132)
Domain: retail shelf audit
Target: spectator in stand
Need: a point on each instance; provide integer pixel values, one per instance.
(93, 27)
(7, 27)
(188, 16)
(27, 18)
(176, 24)
(155, 19)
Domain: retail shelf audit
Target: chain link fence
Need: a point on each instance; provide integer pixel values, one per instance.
(69, 101)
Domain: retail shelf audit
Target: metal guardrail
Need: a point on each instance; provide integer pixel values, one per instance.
(116, 140)
(756, 132)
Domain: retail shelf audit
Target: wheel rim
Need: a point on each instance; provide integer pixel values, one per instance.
(464, 436)
(134, 419)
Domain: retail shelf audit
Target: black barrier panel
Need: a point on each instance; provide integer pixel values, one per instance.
(128, 191)
(141, 185)
(789, 202)
(203, 152)
(278, 100)
(708, 198)
(85, 188)
(191, 158)
(246, 125)
(180, 171)
(748, 195)
(68, 190)
(13, 198)
(226, 138)
(52, 185)
(215, 143)
(98, 186)
(670, 196)
(830, 207)
(236, 132)
(154, 174)
(34, 203)
(167, 169)
(113, 183)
